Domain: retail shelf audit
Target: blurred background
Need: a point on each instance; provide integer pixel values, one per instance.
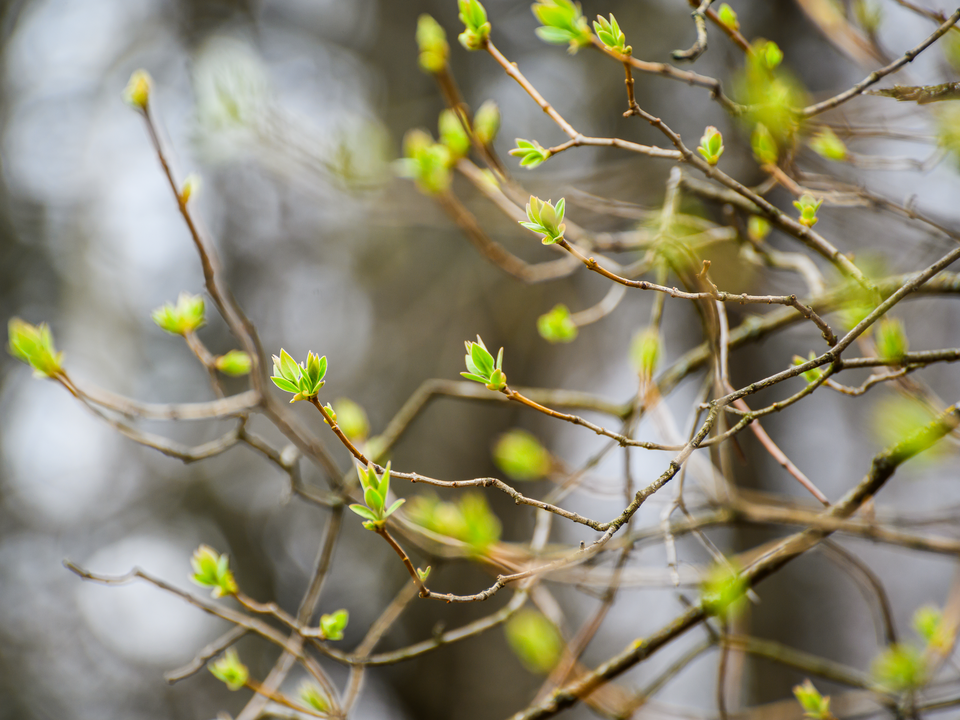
(291, 111)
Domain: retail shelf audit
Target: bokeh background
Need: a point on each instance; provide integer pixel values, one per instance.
(291, 111)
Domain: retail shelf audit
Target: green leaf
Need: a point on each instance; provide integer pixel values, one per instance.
(288, 367)
(363, 512)
(285, 385)
(384, 486)
(394, 506)
(475, 378)
(373, 500)
(482, 360)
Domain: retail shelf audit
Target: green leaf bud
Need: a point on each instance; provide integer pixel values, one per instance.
(185, 317)
(33, 344)
(432, 42)
(530, 152)
(815, 706)
(212, 570)
(230, 670)
(645, 351)
(486, 123)
(556, 326)
(314, 697)
(610, 34)
(453, 134)
(808, 207)
(728, 17)
(234, 363)
(827, 145)
(546, 219)
(928, 622)
(534, 640)
(562, 24)
(758, 228)
(763, 145)
(352, 419)
(900, 668)
(334, 624)
(769, 54)
(521, 456)
(474, 19)
(711, 145)
(481, 368)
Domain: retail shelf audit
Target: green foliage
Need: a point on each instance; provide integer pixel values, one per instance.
(474, 19)
(303, 380)
(534, 640)
(815, 706)
(758, 228)
(711, 145)
(234, 363)
(610, 35)
(827, 145)
(351, 418)
(562, 23)
(468, 520)
(186, 316)
(545, 219)
(808, 207)
(228, 669)
(556, 326)
(813, 375)
(426, 163)
(521, 456)
(891, 338)
(723, 591)
(481, 368)
(645, 351)
(375, 492)
(763, 145)
(432, 43)
(900, 668)
(334, 624)
(137, 92)
(33, 344)
(453, 134)
(486, 123)
(212, 570)
(530, 152)
(312, 696)
(728, 17)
